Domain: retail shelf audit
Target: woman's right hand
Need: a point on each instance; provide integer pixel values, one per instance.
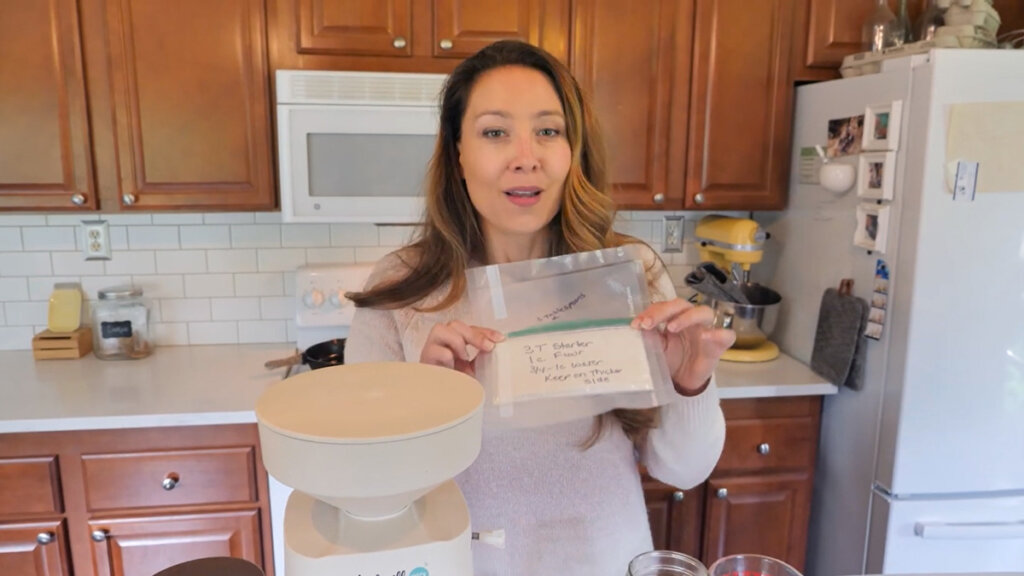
(456, 345)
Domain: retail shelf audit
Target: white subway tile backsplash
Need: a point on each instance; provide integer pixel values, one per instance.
(153, 237)
(293, 331)
(305, 235)
(354, 235)
(228, 218)
(91, 285)
(185, 309)
(25, 264)
(22, 220)
(330, 255)
(131, 262)
(170, 333)
(264, 284)
(206, 236)
(26, 313)
(3, 319)
(161, 286)
(10, 239)
(122, 219)
(262, 331)
(289, 283)
(396, 235)
(16, 337)
(49, 238)
(213, 333)
(209, 286)
(181, 262)
(118, 238)
(41, 287)
(280, 259)
(177, 219)
(267, 217)
(372, 254)
(13, 289)
(277, 308)
(240, 260)
(256, 236)
(69, 219)
(74, 264)
(235, 308)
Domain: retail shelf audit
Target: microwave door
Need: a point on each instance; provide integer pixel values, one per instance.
(354, 163)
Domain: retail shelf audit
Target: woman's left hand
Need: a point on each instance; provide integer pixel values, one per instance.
(692, 346)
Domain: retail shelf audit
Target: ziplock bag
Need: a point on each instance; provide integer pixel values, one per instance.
(569, 351)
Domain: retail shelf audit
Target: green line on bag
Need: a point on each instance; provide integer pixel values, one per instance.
(568, 326)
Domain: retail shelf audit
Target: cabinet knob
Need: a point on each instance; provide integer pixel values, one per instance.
(44, 538)
(659, 198)
(99, 535)
(678, 495)
(698, 198)
(128, 199)
(78, 199)
(445, 44)
(170, 481)
(398, 42)
(764, 449)
(722, 493)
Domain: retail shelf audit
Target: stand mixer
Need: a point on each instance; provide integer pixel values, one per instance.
(733, 245)
(371, 450)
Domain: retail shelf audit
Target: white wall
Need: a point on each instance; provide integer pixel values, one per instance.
(217, 278)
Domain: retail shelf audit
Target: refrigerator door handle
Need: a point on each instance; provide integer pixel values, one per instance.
(969, 530)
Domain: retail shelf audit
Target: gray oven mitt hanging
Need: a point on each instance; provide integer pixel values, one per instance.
(838, 342)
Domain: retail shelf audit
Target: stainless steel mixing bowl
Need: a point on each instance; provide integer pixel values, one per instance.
(754, 322)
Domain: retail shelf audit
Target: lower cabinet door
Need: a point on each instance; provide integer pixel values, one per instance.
(674, 516)
(147, 545)
(38, 548)
(758, 514)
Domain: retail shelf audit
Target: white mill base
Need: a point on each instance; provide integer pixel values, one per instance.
(429, 537)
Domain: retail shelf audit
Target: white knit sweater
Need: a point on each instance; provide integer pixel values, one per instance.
(565, 510)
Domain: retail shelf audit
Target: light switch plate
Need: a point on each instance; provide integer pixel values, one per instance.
(673, 240)
(95, 239)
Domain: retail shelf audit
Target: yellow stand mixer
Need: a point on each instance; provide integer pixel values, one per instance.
(732, 245)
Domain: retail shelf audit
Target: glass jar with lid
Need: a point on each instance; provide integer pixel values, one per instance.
(120, 324)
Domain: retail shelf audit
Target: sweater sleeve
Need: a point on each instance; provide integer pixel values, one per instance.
(685, 447)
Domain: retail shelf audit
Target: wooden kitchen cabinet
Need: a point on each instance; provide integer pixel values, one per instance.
(33, 548)
(45, 152)
(133, 501)
(172, 110)
(740, 105)
(758, 498)
(634, 60)
(407, 35)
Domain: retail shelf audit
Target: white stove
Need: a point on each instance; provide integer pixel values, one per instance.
(321, 313)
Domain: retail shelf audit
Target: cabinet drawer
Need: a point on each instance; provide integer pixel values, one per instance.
(171, 478)
(29, 486)
(771, 443)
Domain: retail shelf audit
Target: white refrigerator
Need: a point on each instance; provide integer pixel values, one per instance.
(922, 470)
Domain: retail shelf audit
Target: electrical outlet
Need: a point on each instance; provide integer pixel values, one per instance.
(673, 240)
(95, 239)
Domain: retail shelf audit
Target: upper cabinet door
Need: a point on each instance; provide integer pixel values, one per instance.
(462, 28)
(45, 156)
(741, 105)
(834, 31)
(190, 88)
(370, 27)
(634, 61)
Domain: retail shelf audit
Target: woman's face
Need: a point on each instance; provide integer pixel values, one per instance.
(514, 153)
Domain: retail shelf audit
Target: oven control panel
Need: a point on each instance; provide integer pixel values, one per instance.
(320, 293)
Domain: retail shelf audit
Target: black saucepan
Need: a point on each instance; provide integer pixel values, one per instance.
(321, 355)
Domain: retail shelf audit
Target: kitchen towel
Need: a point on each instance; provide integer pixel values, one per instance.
(838, 346)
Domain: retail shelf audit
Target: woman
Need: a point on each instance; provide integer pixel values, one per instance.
(517, 174)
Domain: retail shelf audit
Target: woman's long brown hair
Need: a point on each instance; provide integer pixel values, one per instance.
(451, 235)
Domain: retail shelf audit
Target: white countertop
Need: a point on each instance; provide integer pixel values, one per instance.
(190, 385)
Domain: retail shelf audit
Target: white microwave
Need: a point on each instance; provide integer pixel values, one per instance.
(354, 146)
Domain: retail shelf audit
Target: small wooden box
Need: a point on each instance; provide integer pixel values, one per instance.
(52, 345)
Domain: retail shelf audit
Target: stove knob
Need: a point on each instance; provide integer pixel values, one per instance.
(338, 299)
(313, 298)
